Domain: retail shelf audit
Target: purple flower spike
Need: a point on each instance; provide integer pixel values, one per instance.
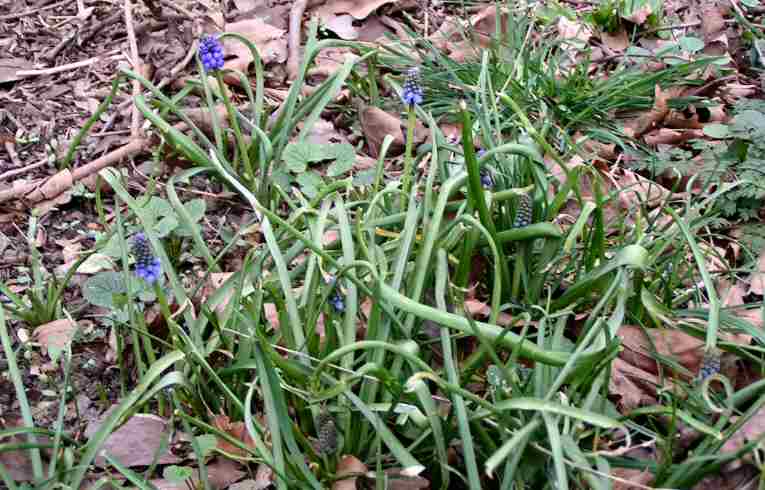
(211, 53)
(147, 266)
(412, 93)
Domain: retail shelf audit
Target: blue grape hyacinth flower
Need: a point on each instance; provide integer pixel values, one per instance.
(336, 298)
(412, 93)
(211, 53)
(147, 266)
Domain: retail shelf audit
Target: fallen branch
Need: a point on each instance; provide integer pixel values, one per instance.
(53, 186)
(293, 41)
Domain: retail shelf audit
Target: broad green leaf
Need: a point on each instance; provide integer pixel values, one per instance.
(177, 474)
(310, 183)
(297, 156)
(165, 226)
(691, 44)
(207, 443)
(100, 289)
(716, 130)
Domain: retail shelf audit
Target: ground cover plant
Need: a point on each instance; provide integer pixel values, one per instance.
(386, 244)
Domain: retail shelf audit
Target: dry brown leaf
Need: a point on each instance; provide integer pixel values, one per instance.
(358, 9)
(635, 387)
(480, 309)
(237, 430)
(617, 41)
(671, 343)
(570, 29)
(55, 334)
(641, 479)
(324, 132)
(712, 22)
(135, 443)
(753, 429)
(737, 479)
(485, 25)
(651, 118)
(679, 120)
(757, 279)
(270, 41)
(666, 136)
(346, 469)
(640, 15)
(636, 189)
(376, 124)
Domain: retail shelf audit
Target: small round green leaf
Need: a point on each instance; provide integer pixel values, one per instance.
(716, 130)
(691, 44)
(100, 289)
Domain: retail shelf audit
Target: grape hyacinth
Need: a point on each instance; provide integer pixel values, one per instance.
(523, 216)
(327, 434)
(486, 180)
(147, 266)
(336, 299)
(211, 53)
(710, 365)
(412, 93)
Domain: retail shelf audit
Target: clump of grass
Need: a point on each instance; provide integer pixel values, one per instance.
(426, 389)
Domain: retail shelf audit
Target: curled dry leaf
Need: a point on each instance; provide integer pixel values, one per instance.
(752, 430)
(358, 9)
(639, 347)
(757, 279)
(651, 118)
(666, 136)
(480, 309)
(55, 334)
(270, 41)
(135, 443)
(237, 430)
(376, 124)
(572, 30)
(634, 387)
(617, 41)
(348, 469)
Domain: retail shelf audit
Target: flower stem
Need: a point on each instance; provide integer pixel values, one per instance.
(408, 158)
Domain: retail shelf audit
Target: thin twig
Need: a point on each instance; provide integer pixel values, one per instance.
(33, 11)
(293, 41)
(58, 69)
(11, 149)
(135, 117)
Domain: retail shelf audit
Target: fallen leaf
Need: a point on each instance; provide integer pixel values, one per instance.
(639, 351)
(376, 124)
(246, 5)
(640, 479)
(753, 429)
(270, 41)
(639, 15)
(635, 387)
(342, 25)
(572, 30)
(358, 9)
(55, 335)
(10, 66)
(135, 443)
(757, 279)
(237, 430)
(347, 471)
(617, 41)
(648, 120)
